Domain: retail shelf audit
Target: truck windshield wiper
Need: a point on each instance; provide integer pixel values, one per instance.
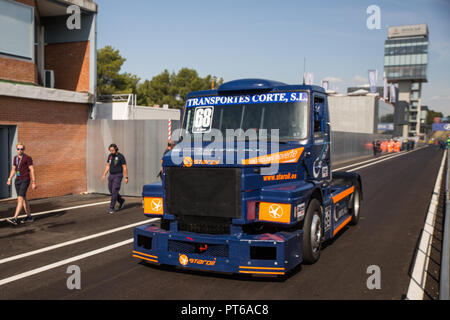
(279, 141)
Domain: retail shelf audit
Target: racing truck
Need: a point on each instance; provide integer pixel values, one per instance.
(236, 199)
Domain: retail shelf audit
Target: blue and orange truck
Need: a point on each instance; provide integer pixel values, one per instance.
(235, 199)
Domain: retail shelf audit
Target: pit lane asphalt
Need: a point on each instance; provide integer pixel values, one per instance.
(397, 193)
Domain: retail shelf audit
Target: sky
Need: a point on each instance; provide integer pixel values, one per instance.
(272, 39)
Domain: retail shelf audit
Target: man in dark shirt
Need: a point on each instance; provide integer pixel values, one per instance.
(24, 171)
(117, 167)
(170, 146)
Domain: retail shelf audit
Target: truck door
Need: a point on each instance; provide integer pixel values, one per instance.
(321, 139)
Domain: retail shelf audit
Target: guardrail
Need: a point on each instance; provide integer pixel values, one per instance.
(444, 288)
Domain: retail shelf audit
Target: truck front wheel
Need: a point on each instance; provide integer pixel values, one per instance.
(355, 204)
(312, 232)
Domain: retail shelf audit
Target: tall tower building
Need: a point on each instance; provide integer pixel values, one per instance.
(405, 64)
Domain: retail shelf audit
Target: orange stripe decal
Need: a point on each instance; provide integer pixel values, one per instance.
(145, 258)
(343, 224)
(343, 194)
(144, 254)
(288, 156)
(256, 272)
(266, 268)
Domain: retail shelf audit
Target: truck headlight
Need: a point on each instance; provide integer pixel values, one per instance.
(275, 212)
(153, 205)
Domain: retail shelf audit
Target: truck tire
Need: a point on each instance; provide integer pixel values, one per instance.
(312, 232)
(355, 204)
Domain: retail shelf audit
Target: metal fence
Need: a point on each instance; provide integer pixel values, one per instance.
(143, 142)
(350, 145)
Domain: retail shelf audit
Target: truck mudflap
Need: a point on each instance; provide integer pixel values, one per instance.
(262, 254)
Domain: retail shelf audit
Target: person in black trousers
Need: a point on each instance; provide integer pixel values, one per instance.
(117, 167)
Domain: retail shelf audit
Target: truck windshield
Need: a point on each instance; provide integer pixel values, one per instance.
(287, 112)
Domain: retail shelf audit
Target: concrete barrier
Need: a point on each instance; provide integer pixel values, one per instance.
(444, 287)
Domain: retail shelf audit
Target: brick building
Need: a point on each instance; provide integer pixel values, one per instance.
(47, 90)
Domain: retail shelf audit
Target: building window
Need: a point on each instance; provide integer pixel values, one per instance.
(16, 29)
(424, 58)
(408, 59)
(396, 60)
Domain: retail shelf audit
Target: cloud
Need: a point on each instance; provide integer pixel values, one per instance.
(333, 79)
(360, 79)
(435, 98)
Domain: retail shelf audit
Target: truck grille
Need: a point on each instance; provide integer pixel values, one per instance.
(209, 225)
(203, 192)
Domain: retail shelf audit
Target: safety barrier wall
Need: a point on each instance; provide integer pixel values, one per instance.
(444, 287)
(350, 145)
(143, 142)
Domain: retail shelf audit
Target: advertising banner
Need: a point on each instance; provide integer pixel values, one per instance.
(385, 90)
(441, 126)
(373, 81)
(393, 98)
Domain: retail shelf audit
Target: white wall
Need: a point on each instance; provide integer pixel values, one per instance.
(352, 113)
(142, 142)
(122, 111)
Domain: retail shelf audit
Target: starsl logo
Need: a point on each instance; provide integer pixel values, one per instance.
(187, 162)
(183, 260)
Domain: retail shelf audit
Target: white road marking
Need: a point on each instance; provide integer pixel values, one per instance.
(370, 160)
(64, 262)
(419, 274)
(398, 155)
(68, 243)
(61, 209)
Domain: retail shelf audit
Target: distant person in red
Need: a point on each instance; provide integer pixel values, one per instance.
(24, 171)
(397, 146)
(384, 146)
(390, 146)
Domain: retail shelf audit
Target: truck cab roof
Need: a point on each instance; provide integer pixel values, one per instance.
(243, 86)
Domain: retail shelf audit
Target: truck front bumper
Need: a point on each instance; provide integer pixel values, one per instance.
(262, 254)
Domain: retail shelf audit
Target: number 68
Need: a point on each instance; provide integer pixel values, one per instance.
(203, 117)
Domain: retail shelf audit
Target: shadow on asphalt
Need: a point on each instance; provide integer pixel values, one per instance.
(4, 224)
(15, 234)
